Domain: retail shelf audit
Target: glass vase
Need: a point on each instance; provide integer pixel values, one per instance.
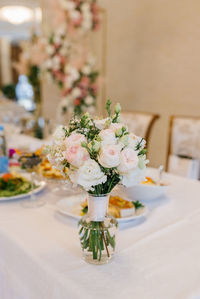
(97, 231)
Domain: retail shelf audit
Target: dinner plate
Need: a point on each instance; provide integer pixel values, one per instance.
(41, 186)
(71, 207)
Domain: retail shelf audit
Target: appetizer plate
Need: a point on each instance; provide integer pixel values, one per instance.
(41, 186)
(71, 207)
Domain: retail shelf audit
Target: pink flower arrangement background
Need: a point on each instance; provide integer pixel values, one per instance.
(82, 14)
(76, 77)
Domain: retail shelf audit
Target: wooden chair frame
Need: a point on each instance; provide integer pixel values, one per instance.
(171, 122)
(154, 118)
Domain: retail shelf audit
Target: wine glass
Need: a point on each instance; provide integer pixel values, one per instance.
(31, 163)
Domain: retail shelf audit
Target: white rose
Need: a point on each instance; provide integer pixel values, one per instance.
(85, 7)
(56, 63)
(57, 39)
(63, 51)
(50, 50)
(128, 160)
(76, 92)
(75, 139)
(74, 14)
(89, 100)
(49, 64)
(88, 176)
(109, 156)
(68, 82)
(107, 137)
(86, 70)
(101, 123)
(133, 177)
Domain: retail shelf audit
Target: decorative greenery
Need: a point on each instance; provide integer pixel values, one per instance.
(137, 204)
(9, 91)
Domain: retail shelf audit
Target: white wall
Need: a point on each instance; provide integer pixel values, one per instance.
(153, 61)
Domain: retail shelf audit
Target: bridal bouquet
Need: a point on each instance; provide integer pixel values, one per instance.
(98, 154)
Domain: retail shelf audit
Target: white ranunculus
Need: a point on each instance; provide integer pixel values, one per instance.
(88, 175)
(107, 137)
(101, 123)
(76, 92)
(89, 100)
(50, 50)
(133, 177)
(128, 160)
(109, 156)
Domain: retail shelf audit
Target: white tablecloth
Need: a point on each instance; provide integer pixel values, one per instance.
(157, 258)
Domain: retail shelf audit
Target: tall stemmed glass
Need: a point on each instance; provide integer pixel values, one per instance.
(31, 163)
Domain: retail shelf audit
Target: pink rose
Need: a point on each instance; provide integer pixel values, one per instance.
(128, 160)
(85, 81)
(109, 156)
(74, 139)
(76, 155)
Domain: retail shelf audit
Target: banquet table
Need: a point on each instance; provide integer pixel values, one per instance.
(157, 257)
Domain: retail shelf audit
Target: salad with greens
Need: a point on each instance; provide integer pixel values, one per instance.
(14, 184)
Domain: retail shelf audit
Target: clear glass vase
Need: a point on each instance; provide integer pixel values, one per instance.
(97, 231)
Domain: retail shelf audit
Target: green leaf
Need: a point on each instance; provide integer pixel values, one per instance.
(137, 204)
(108, 109)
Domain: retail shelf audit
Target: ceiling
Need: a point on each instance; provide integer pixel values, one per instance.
(22, 31)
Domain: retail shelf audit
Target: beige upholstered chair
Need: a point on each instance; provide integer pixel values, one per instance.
(184, 146)
(139, 122)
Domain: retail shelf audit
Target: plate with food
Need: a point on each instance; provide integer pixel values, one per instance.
(14, 186)
(149, 189)
(46, 170)
(123, 210)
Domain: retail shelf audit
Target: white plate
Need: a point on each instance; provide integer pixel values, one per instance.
(40, 187)
(71, 206)
(143, 192)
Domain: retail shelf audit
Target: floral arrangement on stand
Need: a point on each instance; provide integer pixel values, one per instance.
(78, 81)
(97, 155)
(82, 14)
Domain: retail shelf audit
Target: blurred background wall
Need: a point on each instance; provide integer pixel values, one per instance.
(153, 61)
